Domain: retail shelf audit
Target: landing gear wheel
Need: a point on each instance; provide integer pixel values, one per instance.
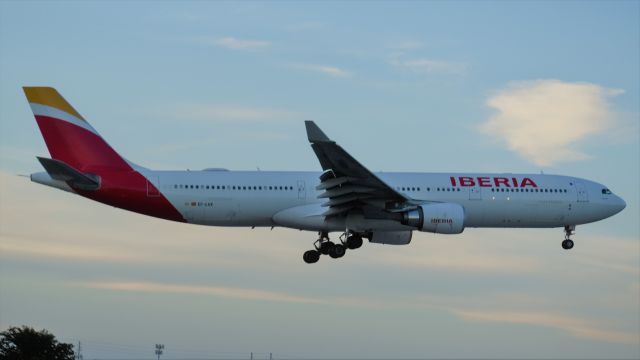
(311, 256)
(325, 247)
(354, 242)
(337, 251)
(567, 244)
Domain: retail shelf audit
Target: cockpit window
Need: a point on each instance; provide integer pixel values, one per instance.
(606, 191)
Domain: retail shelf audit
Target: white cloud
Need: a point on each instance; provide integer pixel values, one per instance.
(429, 66)
(238, 44)
(577, 327)
(527, 308)
(543, 120)
(218, 291)
(325, 69)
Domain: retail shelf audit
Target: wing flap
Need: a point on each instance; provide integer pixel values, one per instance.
(328, 184)
(346, 189)
(341, 200)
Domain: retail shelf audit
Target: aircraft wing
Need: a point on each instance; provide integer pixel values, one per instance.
(347, 184)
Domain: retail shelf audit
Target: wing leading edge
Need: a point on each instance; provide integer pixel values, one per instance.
(347, 184)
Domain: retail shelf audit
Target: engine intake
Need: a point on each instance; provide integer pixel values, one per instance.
(440, 218)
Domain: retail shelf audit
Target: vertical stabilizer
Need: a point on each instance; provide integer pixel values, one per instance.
(69, 137)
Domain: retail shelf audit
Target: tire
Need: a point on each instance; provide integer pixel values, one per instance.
(326, 247)
(311, 256)
(338, 251)
(354, 242)
(567, 244)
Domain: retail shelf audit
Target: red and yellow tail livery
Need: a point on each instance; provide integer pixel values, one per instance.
(84, 163)
(69, 137)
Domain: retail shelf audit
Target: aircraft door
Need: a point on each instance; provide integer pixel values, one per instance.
(302, 193)
(581, 190)
(475, 193)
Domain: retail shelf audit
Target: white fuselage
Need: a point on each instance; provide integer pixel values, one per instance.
(289, 199)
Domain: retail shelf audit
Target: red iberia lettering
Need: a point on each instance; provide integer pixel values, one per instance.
(528, 182)
(484, 182)
(467, 181)
(500, 180)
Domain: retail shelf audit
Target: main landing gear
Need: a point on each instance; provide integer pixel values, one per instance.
(323, 246)
(567, 243)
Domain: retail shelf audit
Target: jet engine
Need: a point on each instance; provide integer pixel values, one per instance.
(440, 218)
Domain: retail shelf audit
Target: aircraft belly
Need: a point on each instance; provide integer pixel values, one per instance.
(515, 214)
(474, 213)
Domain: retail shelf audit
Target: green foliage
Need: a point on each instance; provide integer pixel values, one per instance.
(25, 343)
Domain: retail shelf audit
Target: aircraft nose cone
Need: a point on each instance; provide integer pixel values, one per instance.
(619, 204)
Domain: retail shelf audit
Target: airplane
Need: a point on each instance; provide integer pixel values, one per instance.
(345, 197)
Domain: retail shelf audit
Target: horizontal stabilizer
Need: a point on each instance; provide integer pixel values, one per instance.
(59, 170)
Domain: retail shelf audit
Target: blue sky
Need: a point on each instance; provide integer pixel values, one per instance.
(409, 86)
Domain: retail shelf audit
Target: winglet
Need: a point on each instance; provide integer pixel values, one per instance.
(314, 134)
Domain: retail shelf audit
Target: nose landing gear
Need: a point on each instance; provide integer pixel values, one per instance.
(567, 243)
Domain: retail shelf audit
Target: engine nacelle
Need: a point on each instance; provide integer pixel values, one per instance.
(440, 218)
(391, 237)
